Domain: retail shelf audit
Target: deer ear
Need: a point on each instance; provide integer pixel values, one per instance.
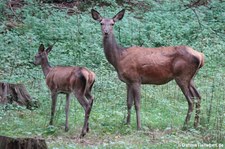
(49, 49)
(41, 48)
(119, 15)
(95, 15)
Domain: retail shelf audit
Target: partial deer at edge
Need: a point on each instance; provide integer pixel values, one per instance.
(67, 80)
(138, 65)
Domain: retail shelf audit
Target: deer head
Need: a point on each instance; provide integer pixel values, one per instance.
(106, 23)
(42, 54)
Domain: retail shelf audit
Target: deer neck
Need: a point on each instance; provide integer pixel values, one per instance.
(45, 67)
(112, 50)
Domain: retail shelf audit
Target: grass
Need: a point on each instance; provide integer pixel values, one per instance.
(163, 108)
(162, 119)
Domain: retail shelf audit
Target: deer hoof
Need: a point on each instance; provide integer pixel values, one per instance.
(139, 128)
(66, 129)
(127, 123)
(82, 135)
(50, 123)
(195, 125)
(185, 127)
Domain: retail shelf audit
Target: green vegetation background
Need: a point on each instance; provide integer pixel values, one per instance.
(149, 23)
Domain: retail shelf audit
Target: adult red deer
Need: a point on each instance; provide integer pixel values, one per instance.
(138, 65)
(67, 80)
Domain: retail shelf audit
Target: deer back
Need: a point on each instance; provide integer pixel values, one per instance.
(156, 65)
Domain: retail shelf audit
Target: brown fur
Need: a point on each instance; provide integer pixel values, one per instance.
(139, 65)
(67, 80)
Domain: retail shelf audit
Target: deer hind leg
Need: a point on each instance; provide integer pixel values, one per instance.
(67, 111)
(87, 108)
(198, 103)
(130, 99)
(90, 99)
(184, 86)
(54, 100)
(88, 94)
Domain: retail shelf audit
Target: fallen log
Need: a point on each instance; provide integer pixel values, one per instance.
(22, 143)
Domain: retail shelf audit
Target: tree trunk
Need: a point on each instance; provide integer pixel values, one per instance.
(16, 93)
(22, 143)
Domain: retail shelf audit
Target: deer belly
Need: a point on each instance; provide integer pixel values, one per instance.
(155, 76)
(155, 80)
(60, 85)
(159, 74)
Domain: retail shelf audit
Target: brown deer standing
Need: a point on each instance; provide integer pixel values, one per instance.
(67, 80)
(138, 65)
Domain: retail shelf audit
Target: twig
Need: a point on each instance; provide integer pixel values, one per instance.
(201, 25)
(10, 5)
(58, 7)
(199, 22)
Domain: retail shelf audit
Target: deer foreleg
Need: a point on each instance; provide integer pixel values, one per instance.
(129, 103)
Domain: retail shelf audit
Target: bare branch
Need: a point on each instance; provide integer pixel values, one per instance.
(199, 22)
(10, 5)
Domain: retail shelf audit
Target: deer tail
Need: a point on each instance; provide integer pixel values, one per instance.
(202, 60)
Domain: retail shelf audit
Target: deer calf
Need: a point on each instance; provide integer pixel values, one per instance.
(67, 80)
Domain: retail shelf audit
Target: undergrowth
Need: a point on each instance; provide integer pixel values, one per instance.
(79, 42)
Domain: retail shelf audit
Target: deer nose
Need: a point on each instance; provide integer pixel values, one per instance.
(106, 32)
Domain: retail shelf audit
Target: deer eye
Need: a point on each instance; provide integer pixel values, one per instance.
(112, 24)
(101, 23)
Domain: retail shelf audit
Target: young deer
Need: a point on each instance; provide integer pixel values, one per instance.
(67, 80)
(138, 65)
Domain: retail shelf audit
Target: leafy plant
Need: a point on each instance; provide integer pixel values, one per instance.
(79, 42)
